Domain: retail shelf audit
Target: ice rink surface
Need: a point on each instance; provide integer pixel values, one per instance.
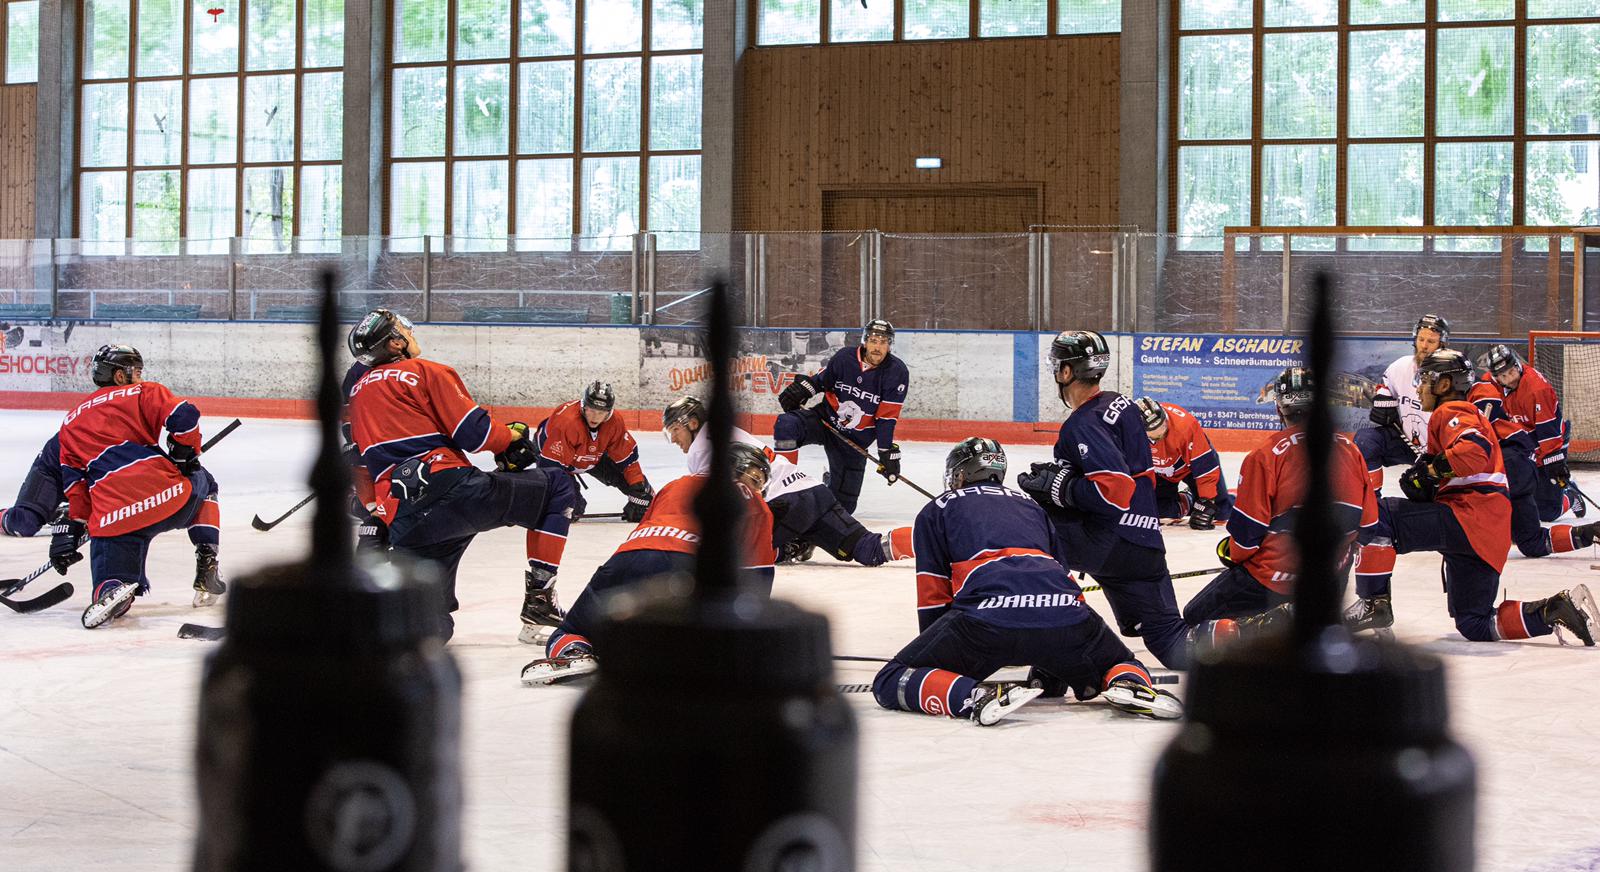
(97, 727)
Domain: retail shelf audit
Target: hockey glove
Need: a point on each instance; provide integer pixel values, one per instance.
(1225, 553)
(797, 394)
(520, 454)
(372, 536)
(184, 457)
(639, 496)
(1203, 515)
(579, 504)
(1050, 484)
(1385, 410)
(1421, 481)
(889, 462)
(1558, 472)
(65, 540)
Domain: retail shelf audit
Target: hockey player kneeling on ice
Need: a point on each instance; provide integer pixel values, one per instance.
(415, 423)
(1457, 505)
(1523, 475)
(1400, 426)
(665, 541)
(39, 498)
(1100, 494)
(1181, 454)
(1253, 592)
(584, 435)
(804, 512)
(123, 490)
(1528, 399)
(990, 594)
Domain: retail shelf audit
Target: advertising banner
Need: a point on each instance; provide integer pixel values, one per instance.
(35, 357)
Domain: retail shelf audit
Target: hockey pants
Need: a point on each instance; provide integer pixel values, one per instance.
(1380, 447)
(1234, 593)
(1135, 580)
(1173, 503)
(39, 495)
(846, 466)
(123, 557)
(814, 515)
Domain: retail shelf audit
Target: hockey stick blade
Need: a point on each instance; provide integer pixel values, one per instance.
(202, 632)
(58, 594)
(264, 526)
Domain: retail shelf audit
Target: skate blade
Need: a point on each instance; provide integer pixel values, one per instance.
(1584, 600)
(535, 634)
(102, 612)
(557, 670)
(1001, 708)
(1144, 701)
(204, 599)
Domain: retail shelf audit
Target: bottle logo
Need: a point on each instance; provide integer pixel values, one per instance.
(361, 817)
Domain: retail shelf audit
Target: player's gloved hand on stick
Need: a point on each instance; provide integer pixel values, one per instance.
(579, 504)
(65, 540)
(1385, 410)
(639, 496)
(184, 457)
(797, 394)
(520, 454)
(889, 462)
(372, 535)
(1049, 484)
(1421, 481)
(1558, 472)
(1203, 514)
(1225, 553)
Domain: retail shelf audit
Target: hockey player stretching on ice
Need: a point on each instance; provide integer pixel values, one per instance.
(804, 513)
(1100, 492)
(124, 490)
(415, 423)
(1530, 401)
(40, 495)
(584, 436)
(864, 388)
(1259, 552)
(989, 594)
(1181, 453)
(1400, 426)
(665, 541)
(1456, 504)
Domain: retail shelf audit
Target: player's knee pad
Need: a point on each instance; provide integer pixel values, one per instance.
(787, 432)
(887, 686)
(1477, 627)
(20, 520)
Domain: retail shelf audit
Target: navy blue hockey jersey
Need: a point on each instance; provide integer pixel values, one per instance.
(1105, 440)
(863, 400)
(986, 550)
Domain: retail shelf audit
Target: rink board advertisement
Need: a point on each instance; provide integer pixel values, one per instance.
(32, 355)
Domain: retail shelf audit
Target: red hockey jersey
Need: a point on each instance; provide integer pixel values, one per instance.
(1490, 398)
(565, 440)
(1535, 406)
(670, 524)
(1185, 451)
(115, 476)
(1476, 491)
(1272, 483)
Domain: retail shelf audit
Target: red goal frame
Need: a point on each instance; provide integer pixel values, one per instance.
(1535, 335)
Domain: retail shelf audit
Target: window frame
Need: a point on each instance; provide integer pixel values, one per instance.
(974, 27)
(5, 45)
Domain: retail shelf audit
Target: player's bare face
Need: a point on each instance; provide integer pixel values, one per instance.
(1510, 378)
(1157, 434)
(1427, 343)
(1434, 390)
(755, 481)
(875, 349)
(595, 417)
(413, 347)
(131, 376)
(679, 435)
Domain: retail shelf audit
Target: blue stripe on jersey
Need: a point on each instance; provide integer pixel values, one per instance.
(380, 458)
(473, 430)
(117, 457)
(1025, 377)
(183, 419)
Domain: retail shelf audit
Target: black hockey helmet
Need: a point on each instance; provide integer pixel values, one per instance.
(974, 460)
(1293, 391)
(1446, 362)
(1085, 351)
(747, 458)
(877, 327)
(368, 340)
(1151, 413)
(599, 396)
(1435, 323)
(111, 358)
(682, 410)
(1500, 359)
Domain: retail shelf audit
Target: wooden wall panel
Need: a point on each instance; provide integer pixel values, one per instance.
(18, 163)
(1041, 112)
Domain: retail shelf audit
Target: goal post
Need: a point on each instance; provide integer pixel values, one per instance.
(1571, 361)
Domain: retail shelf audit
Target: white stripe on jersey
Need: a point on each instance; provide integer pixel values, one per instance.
(786, 477)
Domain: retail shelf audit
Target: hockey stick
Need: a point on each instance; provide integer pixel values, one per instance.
(43, 601)
(1161, 678)
(264, 526)
(868, 455)
(202, 632)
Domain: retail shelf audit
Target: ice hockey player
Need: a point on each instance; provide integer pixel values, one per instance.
(372, 532)
(1100, 493)
(1259, 553)
(864, 388)
(1518, 449)
(990, 594)
(1399, 428)
(804, 512)
(665, 541)
(584, 435)
(1181, 454)
(39, 499)
(1456, 504)
(415, 423)
(123, 490)
(1531, 401)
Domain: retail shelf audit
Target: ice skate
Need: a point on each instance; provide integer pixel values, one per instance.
(112, 600)
(1138, 698)
(1578, 507)
(559, 670)
(1371, 613)
(208, 584)
(798, 551)
(1572, 611)
(993, 703)
(540, 613)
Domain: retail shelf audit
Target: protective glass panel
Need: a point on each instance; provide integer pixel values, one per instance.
(479, 219)
(212, 195)
(22, 42)
(483, 29)
(322, 126)
(610, 202)
(1089, 16)
(1475, 10)
(158, 123)
(675, 201)
(849, 22)
(1563, 78)
(418, 111)
(321, 203)
(105, 126)
(1215, 14)
(675, 102)
(420, 30)
(1563, 8)
(213, 120)
(790, 22)
(105, 43)
(272, 35)
(324, 33)
(1214, 78)
(547, 27)
(1386, 11)
(1302, 13)
(1299, 84)
(544, 205)
(1213, 193)
(1563, 183)
(157, 208)
(268, 208)
(677, 24)
(269, 118)
(1298, 188)
(416, 203)
(1012, 17)
(611, 105)
(1386, 82)
(1473, 93)
(1384, 189)
(612, 25)
(213, 40)
(1472, 187)
(103, 206)
(482, 109)
(160, 37)
(937, 19)
(544, 111)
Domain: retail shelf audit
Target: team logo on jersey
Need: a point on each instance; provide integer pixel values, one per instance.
(129, 391)
(1083, 450)
(850, 414)
(403, 376)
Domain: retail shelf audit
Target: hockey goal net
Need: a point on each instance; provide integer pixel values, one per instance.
(1571, 361)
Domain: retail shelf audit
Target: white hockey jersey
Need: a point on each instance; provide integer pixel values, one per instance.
(786, 477)
(1400, 378)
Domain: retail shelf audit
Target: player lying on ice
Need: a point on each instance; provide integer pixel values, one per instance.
(664, 542)
(804, 512)
(583, 436)
(1189, 481)
(990, 594)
